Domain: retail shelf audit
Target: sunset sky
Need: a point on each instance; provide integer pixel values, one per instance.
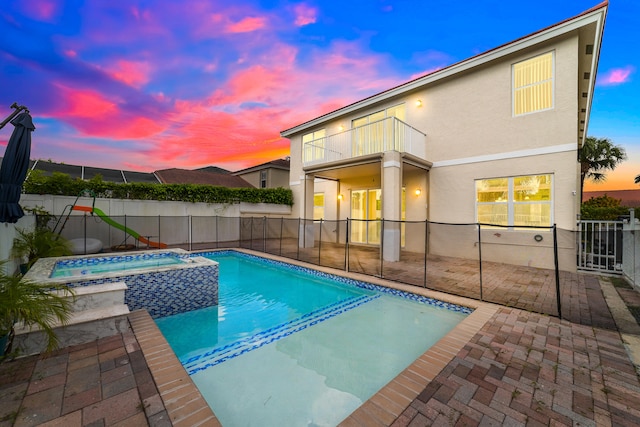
(153, 84)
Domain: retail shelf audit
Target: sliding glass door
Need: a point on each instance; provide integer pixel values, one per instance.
(366, 208)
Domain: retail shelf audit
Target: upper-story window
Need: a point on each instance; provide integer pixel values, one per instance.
(374, 134)
(313, 145)
(533, 84)
(263, 179)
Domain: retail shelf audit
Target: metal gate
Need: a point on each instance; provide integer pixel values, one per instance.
(600, 246)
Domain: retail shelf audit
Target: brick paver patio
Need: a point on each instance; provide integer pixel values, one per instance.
(520, 368)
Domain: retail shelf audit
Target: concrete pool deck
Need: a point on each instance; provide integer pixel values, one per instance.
(500, 366)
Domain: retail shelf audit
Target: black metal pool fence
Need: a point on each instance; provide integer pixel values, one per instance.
(520, 267)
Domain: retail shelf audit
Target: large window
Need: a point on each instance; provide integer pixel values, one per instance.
(318, 206)
(313, 146)
(373, 134)
(533, 84)
(518, 200)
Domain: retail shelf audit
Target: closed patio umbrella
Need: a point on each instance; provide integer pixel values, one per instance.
(15, 164)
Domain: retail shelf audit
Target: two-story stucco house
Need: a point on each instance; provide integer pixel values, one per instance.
(492, 139)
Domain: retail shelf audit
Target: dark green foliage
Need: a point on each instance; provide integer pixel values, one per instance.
(39, 243)
(602, 208)
(62, 184)
(32, 304)
(597, 156)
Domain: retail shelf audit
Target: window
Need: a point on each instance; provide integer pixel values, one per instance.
(373, 134)
(519, 200)
(313, 146)
(263, 179)
(318, 206)
(533, 84)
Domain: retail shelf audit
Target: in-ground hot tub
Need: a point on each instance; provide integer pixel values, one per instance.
(164, 282)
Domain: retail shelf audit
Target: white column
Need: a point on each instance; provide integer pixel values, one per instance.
(306, 239)
(391, 204)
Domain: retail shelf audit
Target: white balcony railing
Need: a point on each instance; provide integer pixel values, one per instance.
(390, 134)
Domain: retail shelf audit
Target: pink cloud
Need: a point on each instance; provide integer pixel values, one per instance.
(247, 25)
(305, 15)
(616, 76)
(94, 115)
(133, 73)
(83, 104)
(43, 9)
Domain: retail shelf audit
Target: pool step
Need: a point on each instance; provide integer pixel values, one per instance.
(96, 296)
(97, 311)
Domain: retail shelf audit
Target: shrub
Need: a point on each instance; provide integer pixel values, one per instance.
(63, 185)
(602, 208)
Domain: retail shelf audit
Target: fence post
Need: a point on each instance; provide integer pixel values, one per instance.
(298, 240)
(480, 256)
(217, 237)
(264, 234)
(557, 265)
(381, 247)
(320, 243)
(85, 233)
(281, 225)
(426, 237)
(251, 234)
(190, 232)
(158, 233)
(346, 247)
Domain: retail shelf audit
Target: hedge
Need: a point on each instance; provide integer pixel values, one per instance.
(62, 184)
(603, 208)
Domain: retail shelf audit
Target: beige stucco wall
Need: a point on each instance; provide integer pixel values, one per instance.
(275, 178)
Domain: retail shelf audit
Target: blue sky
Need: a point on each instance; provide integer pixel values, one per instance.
(153, 84)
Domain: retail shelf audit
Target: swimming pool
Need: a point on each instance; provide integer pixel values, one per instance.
(288, 343)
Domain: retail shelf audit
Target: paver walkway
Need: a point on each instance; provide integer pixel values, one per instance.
(102, 383)
(528, 369)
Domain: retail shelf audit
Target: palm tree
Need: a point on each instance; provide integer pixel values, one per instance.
(637, 179)
(31, 304)
(596, 156)
(39, 243)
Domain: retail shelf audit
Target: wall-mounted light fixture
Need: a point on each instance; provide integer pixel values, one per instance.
(419, 103)
(418, 191)
(339, 196)
(340, 128)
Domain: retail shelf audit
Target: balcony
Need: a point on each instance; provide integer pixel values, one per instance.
(389, 134)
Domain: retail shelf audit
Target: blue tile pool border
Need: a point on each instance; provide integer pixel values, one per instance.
(345, 280)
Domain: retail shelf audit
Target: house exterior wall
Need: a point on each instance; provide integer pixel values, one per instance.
(276, 178)
(466, 112)
(469, 120)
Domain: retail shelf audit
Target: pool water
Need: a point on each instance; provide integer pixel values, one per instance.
(285, 347)
(92, 266)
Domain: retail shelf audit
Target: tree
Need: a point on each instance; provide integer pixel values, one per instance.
(596, 156)
(637, 179)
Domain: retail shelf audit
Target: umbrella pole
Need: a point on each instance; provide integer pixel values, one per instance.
(18, 109)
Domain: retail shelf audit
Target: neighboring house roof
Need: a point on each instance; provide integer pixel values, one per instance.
(628, 198)
(88, 172)
(184, 176)
(282, 164)
(595, 15)
(214, 169)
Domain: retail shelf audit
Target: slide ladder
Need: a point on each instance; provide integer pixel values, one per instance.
(93, 210)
